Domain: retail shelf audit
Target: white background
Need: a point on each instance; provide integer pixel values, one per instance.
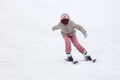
(30, 50)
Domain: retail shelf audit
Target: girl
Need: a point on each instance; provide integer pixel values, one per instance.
(68, 32)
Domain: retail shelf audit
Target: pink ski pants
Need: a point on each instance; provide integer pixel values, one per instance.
(73, 39)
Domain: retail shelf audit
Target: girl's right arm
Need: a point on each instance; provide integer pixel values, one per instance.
(56, 27)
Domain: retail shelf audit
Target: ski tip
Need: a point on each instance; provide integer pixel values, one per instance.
(94, 60)
(75, 62)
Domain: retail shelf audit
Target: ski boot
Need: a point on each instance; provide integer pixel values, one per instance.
(87, 57)
(69, 57)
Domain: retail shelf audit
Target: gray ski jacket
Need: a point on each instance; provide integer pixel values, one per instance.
(69, 29)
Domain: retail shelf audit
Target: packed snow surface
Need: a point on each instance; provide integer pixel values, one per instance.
(30, 50)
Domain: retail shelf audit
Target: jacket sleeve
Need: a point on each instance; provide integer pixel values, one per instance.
(79, 27)
(56, 27)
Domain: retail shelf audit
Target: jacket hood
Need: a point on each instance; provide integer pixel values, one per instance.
(65, 16)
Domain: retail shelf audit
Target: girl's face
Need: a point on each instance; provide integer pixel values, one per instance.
(65, 21)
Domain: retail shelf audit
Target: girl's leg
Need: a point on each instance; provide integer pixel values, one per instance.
(75, 42)
(68, 47)
(80, 48)
(67, 44)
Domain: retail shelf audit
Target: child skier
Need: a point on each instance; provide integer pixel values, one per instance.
(68, 32)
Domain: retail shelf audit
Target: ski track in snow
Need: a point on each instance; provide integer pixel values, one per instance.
(29, 50)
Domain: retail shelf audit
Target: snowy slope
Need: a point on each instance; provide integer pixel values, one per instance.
(29, 50)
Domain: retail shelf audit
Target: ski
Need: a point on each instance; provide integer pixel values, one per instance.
(77, 61)
(74, 62)
(93, 60)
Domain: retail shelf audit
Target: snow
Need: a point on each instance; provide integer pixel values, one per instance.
(30, 50)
